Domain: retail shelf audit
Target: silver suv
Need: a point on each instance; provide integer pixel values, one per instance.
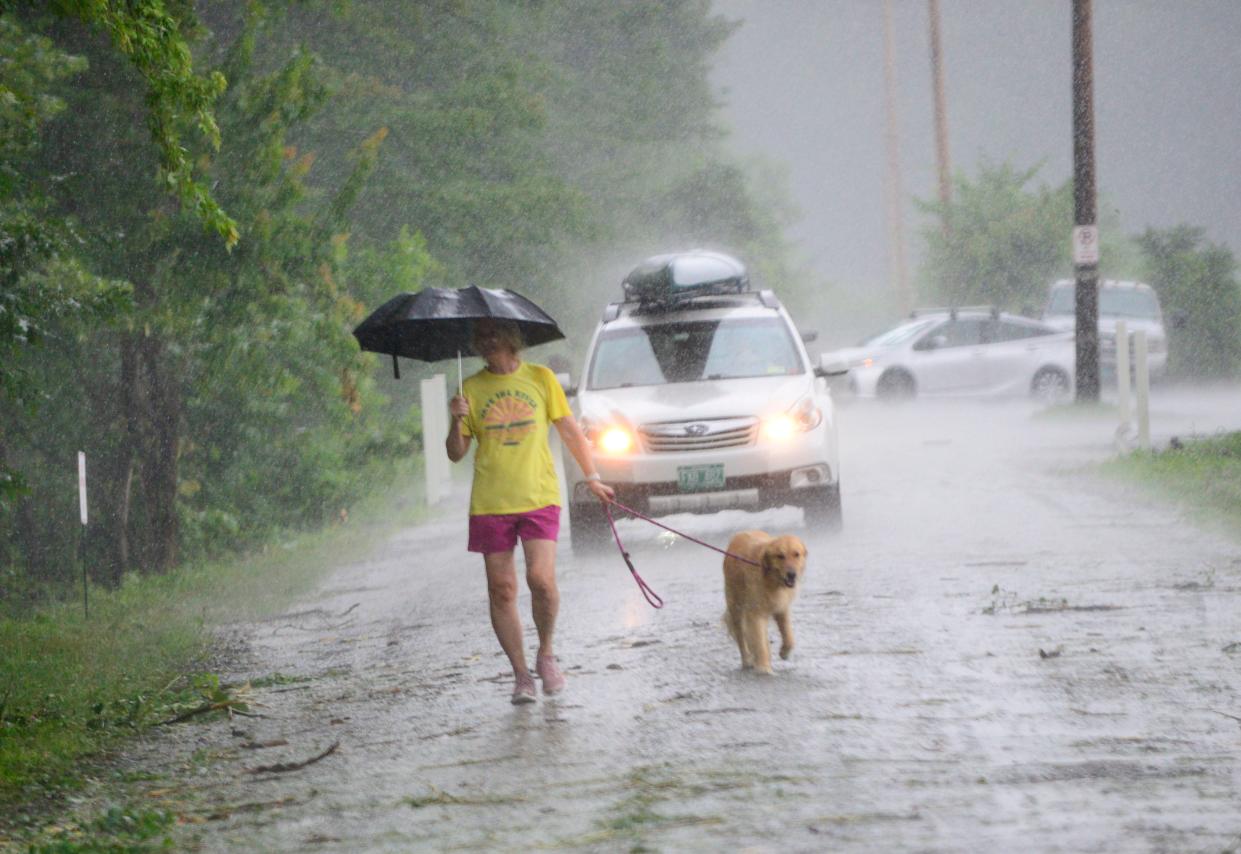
(697, 395)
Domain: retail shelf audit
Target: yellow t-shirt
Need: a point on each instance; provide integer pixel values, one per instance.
(509, 417)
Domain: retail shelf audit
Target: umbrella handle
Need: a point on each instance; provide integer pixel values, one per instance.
(396, 368)
(459, 373)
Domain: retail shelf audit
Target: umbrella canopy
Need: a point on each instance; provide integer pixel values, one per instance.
(436, 323)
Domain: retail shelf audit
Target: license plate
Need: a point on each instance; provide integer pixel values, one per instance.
(700, 478)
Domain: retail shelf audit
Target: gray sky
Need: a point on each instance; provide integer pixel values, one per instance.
(802, 81)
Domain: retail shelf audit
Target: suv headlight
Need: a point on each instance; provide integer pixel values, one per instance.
(802, 417)
(615, 440)
(608, 438)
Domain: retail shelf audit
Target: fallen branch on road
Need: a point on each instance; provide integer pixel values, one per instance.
(283, 767)
(442, 798)
(252, 806)
(230, 705)
(263, 745)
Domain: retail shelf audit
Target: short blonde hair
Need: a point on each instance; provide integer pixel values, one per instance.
(507, 331)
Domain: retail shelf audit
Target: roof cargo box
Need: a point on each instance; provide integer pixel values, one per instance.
(680, 275)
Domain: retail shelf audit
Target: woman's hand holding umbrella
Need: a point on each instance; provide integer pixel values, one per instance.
(457, 444)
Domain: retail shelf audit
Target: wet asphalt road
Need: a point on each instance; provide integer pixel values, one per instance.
(1000, 652)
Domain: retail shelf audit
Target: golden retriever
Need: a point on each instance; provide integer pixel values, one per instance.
(756, 594)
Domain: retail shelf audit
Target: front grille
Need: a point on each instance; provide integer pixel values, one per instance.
(706, 435)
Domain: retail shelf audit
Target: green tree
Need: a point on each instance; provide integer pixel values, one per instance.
(228, 399)
(1200, 293)
(1001, 241)
(546, 146)
(40, 282)
(152, 36)
(36, 241)
(998, 241)
(466, 161)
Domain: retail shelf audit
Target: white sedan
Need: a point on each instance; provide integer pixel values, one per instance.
(960, 352)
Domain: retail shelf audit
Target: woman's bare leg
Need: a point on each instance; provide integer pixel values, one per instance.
(544, 595)
(502, 591)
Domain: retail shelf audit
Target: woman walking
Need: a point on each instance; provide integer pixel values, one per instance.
(507, 407)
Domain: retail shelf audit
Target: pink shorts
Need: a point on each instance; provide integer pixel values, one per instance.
(499, 532)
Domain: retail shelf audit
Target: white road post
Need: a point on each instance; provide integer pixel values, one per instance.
(1142, 376)
(437, 471)
(82, 485)
(82, 510)
(1122, 374)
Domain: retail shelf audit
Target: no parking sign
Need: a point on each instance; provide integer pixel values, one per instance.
(1086, 245)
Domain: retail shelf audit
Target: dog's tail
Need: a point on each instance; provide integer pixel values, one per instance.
(728, 624)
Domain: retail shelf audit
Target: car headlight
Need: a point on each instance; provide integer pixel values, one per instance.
(608, 438)
(802, 417)
(779, 428)
(615, 440)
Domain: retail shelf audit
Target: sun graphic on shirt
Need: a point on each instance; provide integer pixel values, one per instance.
(510, 419)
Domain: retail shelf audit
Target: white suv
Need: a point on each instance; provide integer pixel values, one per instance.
(1133, 302)
(699, 396)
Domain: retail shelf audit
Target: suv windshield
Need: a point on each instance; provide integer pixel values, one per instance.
(1113, 302)
(689, 351)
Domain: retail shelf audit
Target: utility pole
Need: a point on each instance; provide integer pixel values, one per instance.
(941, 116)
(897, 267)
(1086, 232)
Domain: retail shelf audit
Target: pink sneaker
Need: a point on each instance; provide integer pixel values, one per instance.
(553, 679)
(523, 691)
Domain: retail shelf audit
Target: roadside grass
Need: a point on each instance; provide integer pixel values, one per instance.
(72, 687)
(1203, 474)
(119, 829)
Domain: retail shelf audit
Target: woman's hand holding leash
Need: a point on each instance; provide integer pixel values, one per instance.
(575, 440)
(601, 490)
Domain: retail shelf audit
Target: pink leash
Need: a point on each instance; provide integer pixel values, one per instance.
(651, 596)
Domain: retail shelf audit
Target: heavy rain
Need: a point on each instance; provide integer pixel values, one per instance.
(761, 323)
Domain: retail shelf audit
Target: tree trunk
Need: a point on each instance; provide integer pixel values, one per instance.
(129, 450)
(159, 467)
(107, 537)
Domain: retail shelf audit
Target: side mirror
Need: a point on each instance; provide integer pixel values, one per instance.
(830, 367)
(566, 382)
(809, 335)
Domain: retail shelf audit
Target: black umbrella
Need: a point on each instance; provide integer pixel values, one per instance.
(436, 323)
